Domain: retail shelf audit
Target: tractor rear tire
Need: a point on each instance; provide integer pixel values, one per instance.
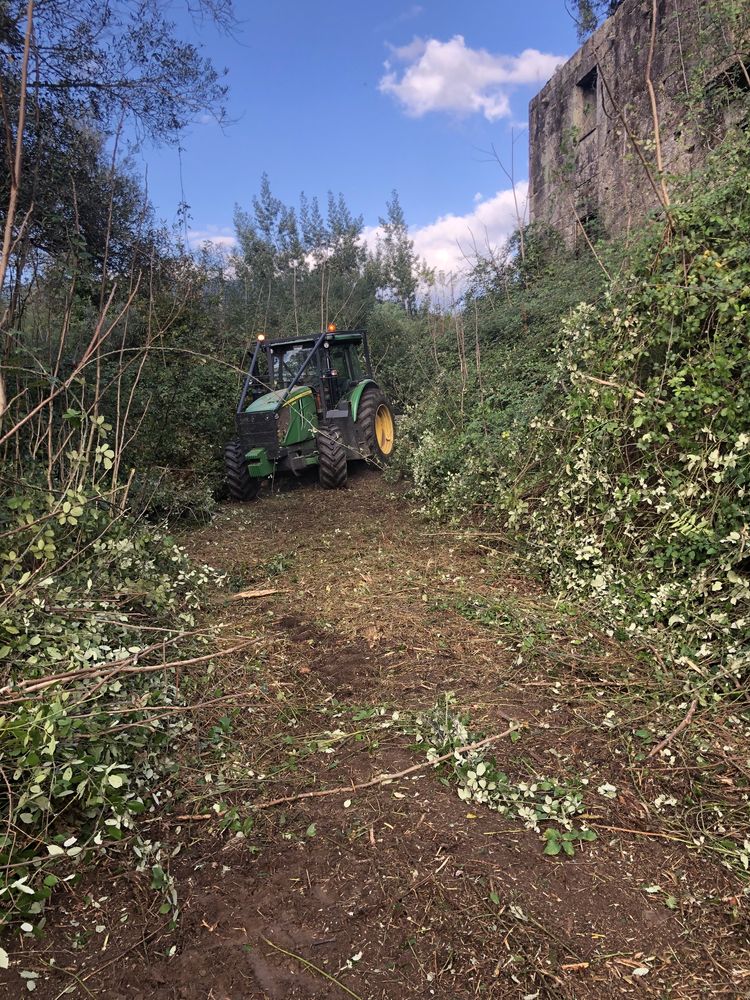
(378, 424)
(242, 486)
(332, 471)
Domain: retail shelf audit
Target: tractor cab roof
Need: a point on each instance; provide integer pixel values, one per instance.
(338, 337)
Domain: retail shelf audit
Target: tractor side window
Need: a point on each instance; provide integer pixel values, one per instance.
(341, 363)
(276, 366)
(356, 360)
(312, 374)
(260, 372)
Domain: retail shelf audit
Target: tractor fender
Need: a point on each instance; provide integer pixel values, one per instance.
(356, 395)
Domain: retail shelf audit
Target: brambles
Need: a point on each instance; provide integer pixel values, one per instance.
(625, 481)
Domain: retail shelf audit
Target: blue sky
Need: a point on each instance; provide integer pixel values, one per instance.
(366, 97)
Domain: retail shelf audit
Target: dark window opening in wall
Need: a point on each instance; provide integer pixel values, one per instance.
(588, 229)
(736, 78)
(586, 103)
(729, 85)
(727, 100)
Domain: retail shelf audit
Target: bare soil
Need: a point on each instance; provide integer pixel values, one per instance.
(401, 890)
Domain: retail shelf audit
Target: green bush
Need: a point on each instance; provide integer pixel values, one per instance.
(182, 403)
(465, 441)
(616, 447)
(83, 587)
(643, 475)
(165, 496)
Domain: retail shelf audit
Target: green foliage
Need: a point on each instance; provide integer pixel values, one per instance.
(164, 495)
(183, 404)
(399, 263)
(465, 440)
(101, 313)
(397, 346)
(643, 474)
(589, 14)
(94, 70)
(299, 270)
(83, 590)
(557, 840)
(617, 449)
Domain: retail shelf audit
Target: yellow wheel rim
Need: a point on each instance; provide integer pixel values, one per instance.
(384, 430)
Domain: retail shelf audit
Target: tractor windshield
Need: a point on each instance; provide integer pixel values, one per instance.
(288, 363)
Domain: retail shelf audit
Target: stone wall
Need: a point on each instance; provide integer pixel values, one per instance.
(591, 129)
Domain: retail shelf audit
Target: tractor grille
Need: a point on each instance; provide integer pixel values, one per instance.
(259, 430)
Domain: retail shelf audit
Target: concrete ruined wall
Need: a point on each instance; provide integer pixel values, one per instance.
(591, 133)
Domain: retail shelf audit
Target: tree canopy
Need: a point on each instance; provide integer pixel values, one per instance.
(302, 268)
(96, 72)
(589, 14)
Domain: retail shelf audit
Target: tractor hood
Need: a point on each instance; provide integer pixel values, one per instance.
(279, 420)
(279, 397)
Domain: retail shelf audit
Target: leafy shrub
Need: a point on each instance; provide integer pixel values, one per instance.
(623, 471)
(166, 496)
(87, 594)
(643, 474)
(464, 443)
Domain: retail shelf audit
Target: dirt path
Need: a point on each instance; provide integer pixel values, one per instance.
(402, 890)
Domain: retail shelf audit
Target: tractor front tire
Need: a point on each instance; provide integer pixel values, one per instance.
(242, 486)
(332, 472)
(378, 425)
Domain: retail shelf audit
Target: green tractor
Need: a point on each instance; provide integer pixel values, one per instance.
(308, 401)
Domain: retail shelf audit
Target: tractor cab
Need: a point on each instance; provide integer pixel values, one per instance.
(308, 401)
(331, 364)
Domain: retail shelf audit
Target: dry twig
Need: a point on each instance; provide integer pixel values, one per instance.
(311, 965)
(675, 732)
(247, 594)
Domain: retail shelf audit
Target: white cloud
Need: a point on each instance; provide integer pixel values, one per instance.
(416, 10)
(449, 243)
(446, 243)
(450, 76)
(220, 236)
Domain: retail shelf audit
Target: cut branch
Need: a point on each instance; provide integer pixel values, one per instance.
(382, 779)
(107, 671)
(622, 388)
(676, 732)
